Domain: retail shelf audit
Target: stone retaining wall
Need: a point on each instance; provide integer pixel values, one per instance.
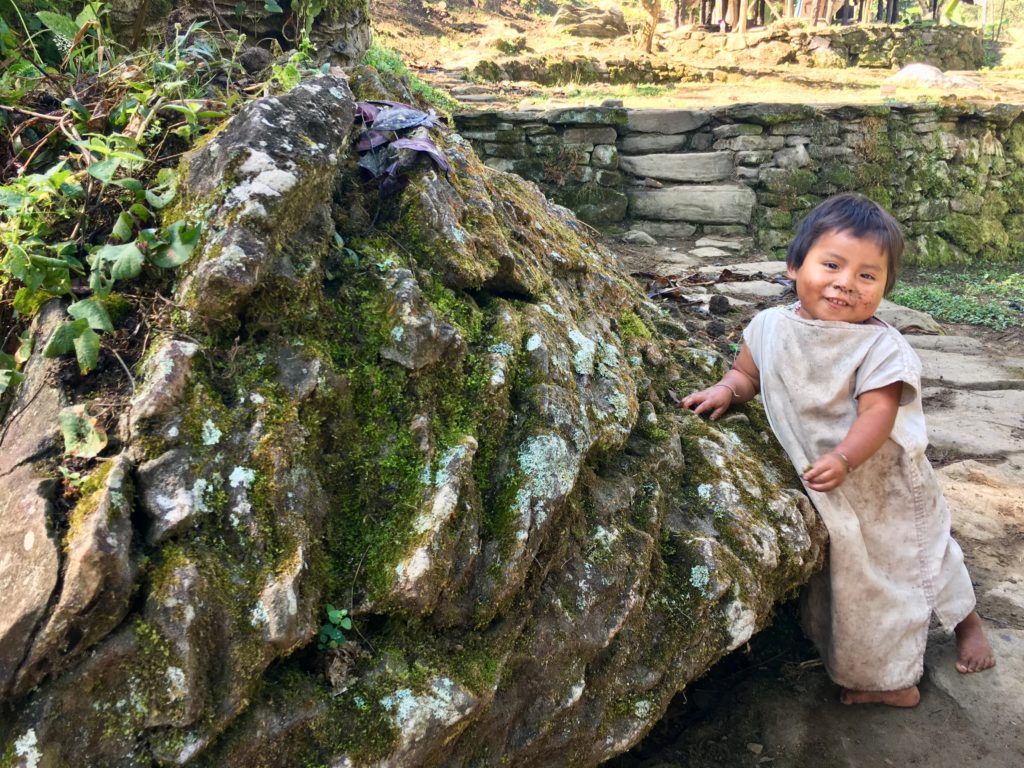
(691, 55)
(858, 45)
(953, 174)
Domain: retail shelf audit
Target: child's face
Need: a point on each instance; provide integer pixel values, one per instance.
(842, 278)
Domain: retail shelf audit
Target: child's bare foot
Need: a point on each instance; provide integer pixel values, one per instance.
(904, 697)
(972, 648)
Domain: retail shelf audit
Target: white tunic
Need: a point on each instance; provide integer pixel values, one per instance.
(892, 560)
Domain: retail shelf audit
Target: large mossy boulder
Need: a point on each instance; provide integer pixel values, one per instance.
(446, 412)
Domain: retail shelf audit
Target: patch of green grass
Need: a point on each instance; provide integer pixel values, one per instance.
(957, 308)
(628, 93)
(386, 60)
(985, 294)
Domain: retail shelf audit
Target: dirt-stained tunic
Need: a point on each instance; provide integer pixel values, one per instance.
(892, 560)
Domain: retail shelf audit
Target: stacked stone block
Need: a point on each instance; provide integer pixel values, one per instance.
(953, 174)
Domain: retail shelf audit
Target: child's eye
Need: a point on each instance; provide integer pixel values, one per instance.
(831, 265)
(868, 276)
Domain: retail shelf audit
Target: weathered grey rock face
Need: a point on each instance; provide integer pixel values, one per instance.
(445, 412)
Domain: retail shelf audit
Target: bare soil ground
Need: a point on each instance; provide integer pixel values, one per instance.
(771, 704)
(442, 41)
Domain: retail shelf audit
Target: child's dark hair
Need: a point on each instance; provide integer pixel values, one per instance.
(860, 217)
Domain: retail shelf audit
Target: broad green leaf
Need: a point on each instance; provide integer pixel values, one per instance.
(132, 185)
(10, 198)
(123, 261)
(182, 243)
(123, 227)
(161, 199)
(185, 108)
(100, 285)
(62, 340)
(87, 14)
(27, 302)
(73, 105)
(140, 212)
(105, 169)
(93, 312)
(87, 350)
(58, 24)
(24, 351)
(128, 263)
(82, 436)
(71, 189)
(240, 8)
(271, 6)
(124, 154)
(10, 378)
(47, 262)
(7, 362)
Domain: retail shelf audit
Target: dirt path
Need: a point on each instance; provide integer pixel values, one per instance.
(773, 704)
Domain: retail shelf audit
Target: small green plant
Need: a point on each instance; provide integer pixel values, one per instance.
(83, 437)
(84, 184)
(72, 480)
(331, 633)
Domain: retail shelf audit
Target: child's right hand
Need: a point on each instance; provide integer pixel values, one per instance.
(716, 399)
(827, 473)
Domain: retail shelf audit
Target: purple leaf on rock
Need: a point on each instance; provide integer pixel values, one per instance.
(424, 145)
(367, 111)
(400, 118)
(393, 184)
(375, 163)
(371, 140)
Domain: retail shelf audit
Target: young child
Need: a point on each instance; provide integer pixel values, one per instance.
(842, 393)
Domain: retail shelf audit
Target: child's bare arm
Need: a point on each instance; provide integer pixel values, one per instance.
(876, 414)
(741, 383)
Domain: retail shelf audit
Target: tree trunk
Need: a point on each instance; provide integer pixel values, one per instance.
(653, 8)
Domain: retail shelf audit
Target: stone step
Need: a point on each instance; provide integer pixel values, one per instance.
(692, 167)
(645, 143)
(710, 203)
(976, 372)
(972, 423)
(738, 244)
(963, 344)
(666, 120)
(752, 289)
(747, 268)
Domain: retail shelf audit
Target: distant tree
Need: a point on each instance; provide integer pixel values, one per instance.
(653, 8)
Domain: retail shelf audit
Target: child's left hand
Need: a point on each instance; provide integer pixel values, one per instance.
(826, 474)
